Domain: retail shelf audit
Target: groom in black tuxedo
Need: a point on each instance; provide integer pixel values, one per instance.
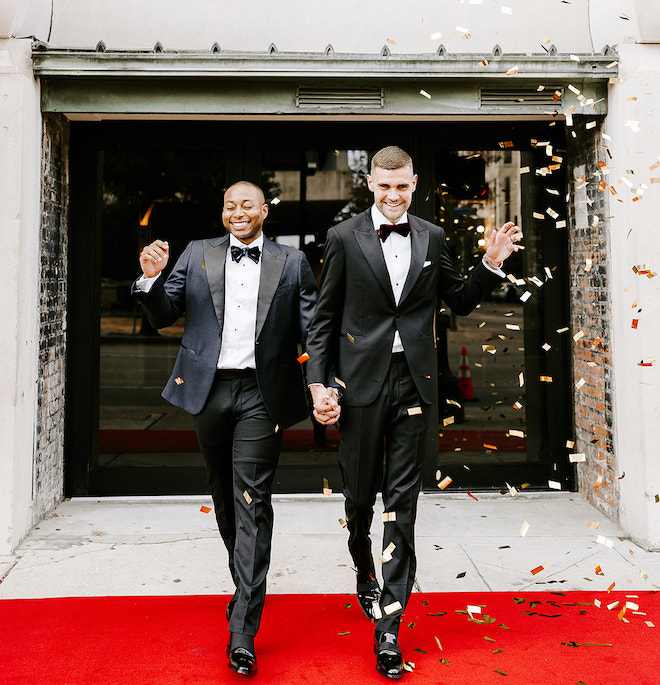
(372, 341)
(248, 304)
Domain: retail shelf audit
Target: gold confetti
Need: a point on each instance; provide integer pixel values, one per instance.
(523, 529)
(340, 382)
(448, 421)
(444, 482)
(413, 411)
(389, 516)
(545, 379)
(593, 525)
(438, 643)
(246, 496)
(327, 491)
(350, 338)
(390, 41)
(391, 608)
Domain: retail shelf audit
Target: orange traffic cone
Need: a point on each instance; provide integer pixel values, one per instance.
(464, 378)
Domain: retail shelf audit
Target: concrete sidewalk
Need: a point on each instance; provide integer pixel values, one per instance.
(167, 546)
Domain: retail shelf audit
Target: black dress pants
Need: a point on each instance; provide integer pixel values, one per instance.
(241, 449)
(382, 447)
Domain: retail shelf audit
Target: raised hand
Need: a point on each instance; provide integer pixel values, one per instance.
(154, 258)
(503, 242)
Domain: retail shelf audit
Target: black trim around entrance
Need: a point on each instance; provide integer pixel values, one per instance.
(549, 408)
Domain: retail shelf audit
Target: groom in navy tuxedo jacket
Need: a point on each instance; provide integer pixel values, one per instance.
(248, 304)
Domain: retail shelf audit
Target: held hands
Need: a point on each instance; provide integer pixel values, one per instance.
(504, 242)
(326, 404)
(154, 257)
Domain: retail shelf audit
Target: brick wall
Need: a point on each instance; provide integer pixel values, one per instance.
(48, 474)
(589, 196)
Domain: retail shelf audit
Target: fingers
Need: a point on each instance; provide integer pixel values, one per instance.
(155, 252)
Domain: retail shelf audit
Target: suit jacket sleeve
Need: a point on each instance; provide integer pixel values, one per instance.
(165, 302)
(462, 295)
(324, 332)
(307, 297)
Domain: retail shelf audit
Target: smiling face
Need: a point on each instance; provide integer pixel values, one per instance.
(244, 211)
(392, 189)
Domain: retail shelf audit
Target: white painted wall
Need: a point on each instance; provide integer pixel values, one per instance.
(635, 240)
(20, 143)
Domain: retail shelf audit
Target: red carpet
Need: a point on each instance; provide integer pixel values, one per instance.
(530, 638)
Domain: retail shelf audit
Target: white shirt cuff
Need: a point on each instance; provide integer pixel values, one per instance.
(144, 284)
(494, 270)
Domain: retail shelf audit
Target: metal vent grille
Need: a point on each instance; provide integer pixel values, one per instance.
(343, 97)
(521, 97)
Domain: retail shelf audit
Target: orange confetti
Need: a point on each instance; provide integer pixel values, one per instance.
(611, 587)
(205, 510)
(303, 358)
(536, 570)
(473, 497)
(489, 447)
(635, 323)
(599, 571)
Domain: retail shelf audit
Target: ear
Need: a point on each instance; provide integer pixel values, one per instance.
(370, 183)
(414, 183)
(264, 209)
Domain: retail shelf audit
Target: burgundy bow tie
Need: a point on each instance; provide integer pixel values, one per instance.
(385, 230)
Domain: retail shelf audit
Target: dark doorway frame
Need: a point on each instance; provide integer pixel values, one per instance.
(553, 406)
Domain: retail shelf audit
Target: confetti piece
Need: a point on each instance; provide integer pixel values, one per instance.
(554, 485)
(342, 523)
(578, 457)
(302, 358)
(538, 215)
(524, 528)
(525, 296)
(327, 491)
(448, 421)
(390, 41)
(178, 380)
(436, 36)
(246, 496)
(389, 516)
(545, 379)
(512, 326)
(516, 433)
(524, 170)
(506, 10)
(340, 383)
(517, 405)
(462, 574)
(546, 347)
(378, 614)
(425, 94)
(521, 379)
(473, 497)
(580, 383)
(391, 608)
(602, 540)
(413, 411)
(444, 482)
(342, 634)
(205, 510)
(537, 570)
(599, 571)
(635, 323)
(438, 643)
(513, 70)
(350, 338)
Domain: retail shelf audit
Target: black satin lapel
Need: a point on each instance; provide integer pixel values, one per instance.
(369, 243)
(214, 263)
(272, 266)
(418, 251)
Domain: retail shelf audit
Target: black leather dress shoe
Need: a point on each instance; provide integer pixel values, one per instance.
(389, 660)
(242, 657)
(367, 594)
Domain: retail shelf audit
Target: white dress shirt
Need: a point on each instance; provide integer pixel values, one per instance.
(397, 251)
(241, 292)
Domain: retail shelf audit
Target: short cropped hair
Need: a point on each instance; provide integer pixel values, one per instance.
(262, 197)
(391, 157)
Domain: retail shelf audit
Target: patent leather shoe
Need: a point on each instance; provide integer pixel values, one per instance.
(242, 657)
(368, 593)
(389, 660)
